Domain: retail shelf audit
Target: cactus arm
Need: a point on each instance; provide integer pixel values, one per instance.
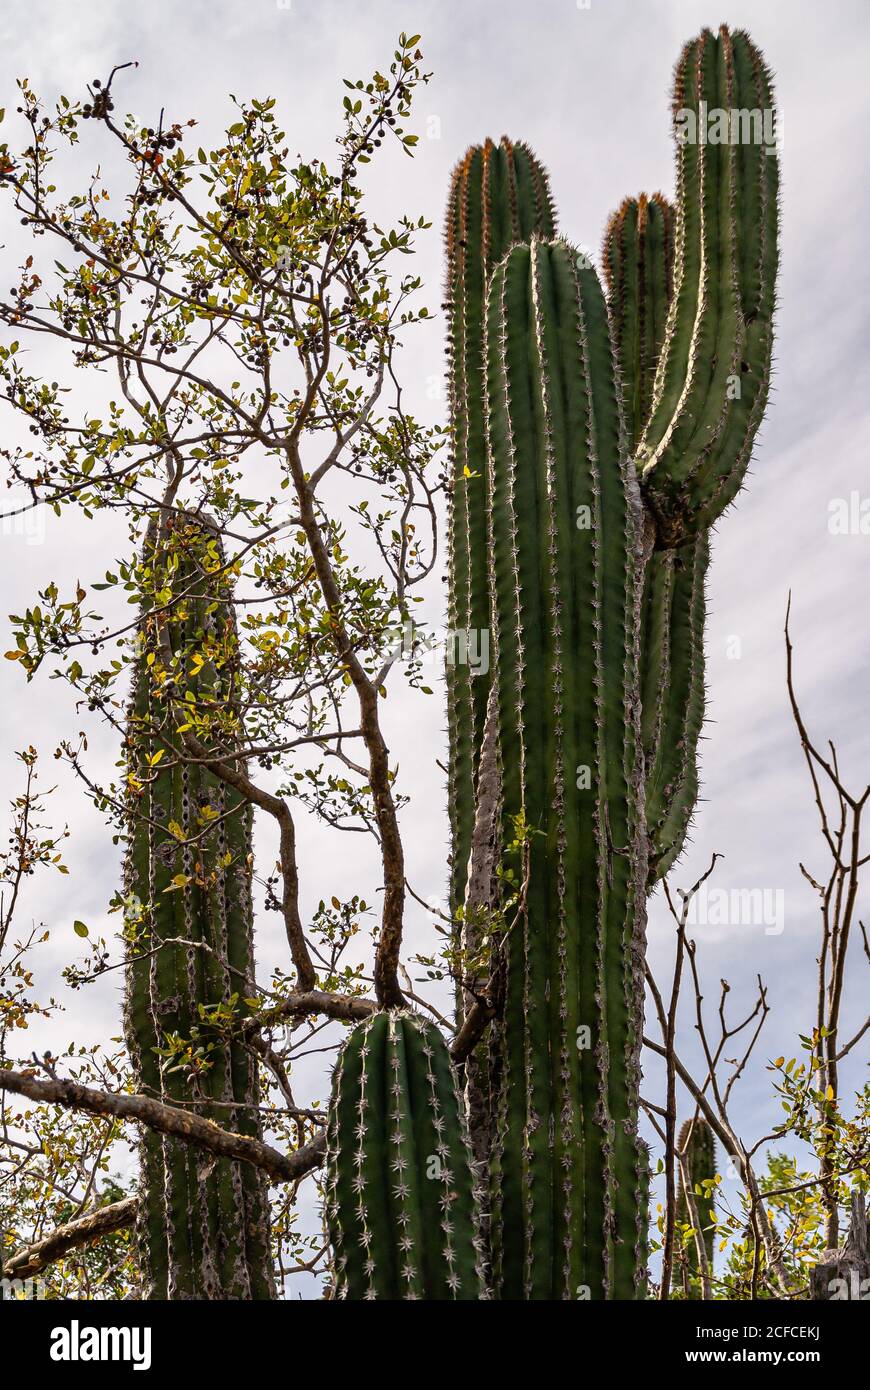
(713, 374)
(508, 655)
(674, 708)
(518, 628)
(619, 738)
(638, 257)
(638, 260)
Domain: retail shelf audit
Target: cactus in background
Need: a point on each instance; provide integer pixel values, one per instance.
(697, 1146)
(638, 256)
(202, 1223)
(400, 1202)
(596, 595)
(499, 195)
(565, 567)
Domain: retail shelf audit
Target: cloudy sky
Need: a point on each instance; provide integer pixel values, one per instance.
(588, 87)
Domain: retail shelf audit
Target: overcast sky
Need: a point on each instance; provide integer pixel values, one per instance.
(588, 87)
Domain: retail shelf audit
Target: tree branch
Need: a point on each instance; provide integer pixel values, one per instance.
(168, 1119)
(33, 1259)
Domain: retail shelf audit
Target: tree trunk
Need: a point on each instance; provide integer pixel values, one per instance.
(845, 1272)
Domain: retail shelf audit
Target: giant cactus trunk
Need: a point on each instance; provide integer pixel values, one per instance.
(596, 597)
(202, 1223)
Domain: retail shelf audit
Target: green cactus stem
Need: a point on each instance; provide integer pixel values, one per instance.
(565, 526)
(672, 695)
(202, 1225)
(638, 260)
(400, 1202)
(713, 373)
(698, 1146)
(499, 195)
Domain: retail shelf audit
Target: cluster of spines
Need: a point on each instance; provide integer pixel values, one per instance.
(202, 1224)
(714, 369)
(697, 1146)
(400, 1200)
(564, 536)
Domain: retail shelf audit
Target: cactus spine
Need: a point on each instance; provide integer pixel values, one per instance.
(697, 1147)
(400, 1203)
(202, 1225)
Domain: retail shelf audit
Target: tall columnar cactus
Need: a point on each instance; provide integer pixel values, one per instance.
(565, 552)
(499, 195)
(400, 1202)
(596, 594)
(638, 257)
(202, 1223)
(698, 1147)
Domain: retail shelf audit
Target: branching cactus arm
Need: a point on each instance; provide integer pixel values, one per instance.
(714, 370)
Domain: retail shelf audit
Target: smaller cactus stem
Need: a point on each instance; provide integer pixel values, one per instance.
(696, 1157)
(400, 1202)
